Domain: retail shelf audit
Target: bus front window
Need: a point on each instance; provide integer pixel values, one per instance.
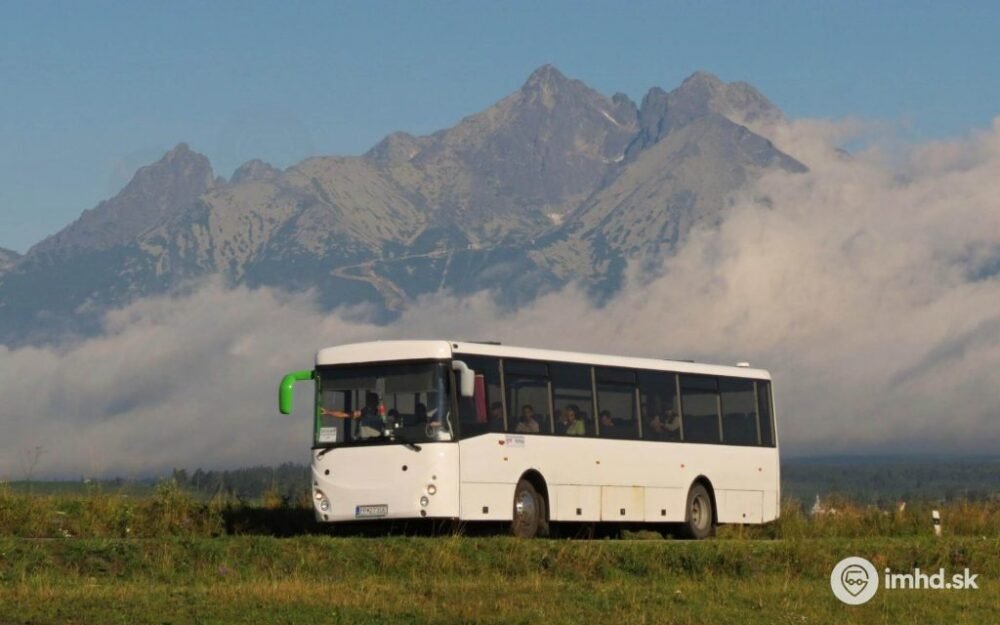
(403, 403)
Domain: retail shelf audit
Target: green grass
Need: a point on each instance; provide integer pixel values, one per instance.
(171, 511)
(319, 579)
(112, 557)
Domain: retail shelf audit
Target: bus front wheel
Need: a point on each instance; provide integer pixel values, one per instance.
(699, 519)
(530, 519)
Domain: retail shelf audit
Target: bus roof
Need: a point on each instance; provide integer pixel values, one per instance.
(387, 351)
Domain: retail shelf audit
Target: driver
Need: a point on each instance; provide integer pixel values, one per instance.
(434, 427)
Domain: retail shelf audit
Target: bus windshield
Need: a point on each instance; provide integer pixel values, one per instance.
(389, 403)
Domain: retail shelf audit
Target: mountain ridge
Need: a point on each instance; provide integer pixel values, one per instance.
(554, 182)
(8, 258)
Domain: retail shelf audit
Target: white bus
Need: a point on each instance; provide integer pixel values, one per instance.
(484, 432)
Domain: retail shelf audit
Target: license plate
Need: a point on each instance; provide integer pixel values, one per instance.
(368, 512)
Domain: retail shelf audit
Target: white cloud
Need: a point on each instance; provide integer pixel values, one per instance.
(870, 290)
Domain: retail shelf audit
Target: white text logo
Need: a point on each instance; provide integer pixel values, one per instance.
(855, 581)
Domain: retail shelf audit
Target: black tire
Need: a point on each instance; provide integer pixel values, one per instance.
(699, 518)
(530, 518)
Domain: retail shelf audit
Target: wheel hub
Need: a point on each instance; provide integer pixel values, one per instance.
(698, 512)
(525, 509)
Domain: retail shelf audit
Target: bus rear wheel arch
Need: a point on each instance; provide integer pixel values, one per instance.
(699, 515)
(530, 507)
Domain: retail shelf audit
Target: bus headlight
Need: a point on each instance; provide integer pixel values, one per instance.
(322, 501)
(424, 501)
(431, 489)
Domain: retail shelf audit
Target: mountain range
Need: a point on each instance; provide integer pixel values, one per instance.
(555, 182)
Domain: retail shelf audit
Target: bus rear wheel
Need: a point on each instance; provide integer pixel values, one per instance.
(530, 519)
(698, 519)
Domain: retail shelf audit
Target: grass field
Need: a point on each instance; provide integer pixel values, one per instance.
(166, 558)
(318, 579)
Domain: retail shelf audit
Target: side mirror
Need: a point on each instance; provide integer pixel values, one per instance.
(287, 386)
(466, 378)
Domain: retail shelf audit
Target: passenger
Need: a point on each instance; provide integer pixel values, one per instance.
(496, 417)
(666, 427)
(527, 424)
(673, 424)
(609, 429)
(573, 425)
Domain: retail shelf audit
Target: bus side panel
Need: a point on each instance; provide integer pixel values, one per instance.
(771, 509)
(577, 503)
(487, 502)
(649, 480)
(490, 470)
(488, 459)
(664, 505)
(623, 503)
(739, 506)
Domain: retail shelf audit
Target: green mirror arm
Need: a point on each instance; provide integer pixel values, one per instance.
(287, 386)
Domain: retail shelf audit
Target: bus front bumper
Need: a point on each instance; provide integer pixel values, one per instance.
(386, 482)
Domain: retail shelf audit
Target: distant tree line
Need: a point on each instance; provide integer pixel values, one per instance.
(287, 480)
(882, 481)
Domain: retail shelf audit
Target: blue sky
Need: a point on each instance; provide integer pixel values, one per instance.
(92, 90)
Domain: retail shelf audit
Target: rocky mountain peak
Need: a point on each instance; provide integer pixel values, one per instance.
(702, 92)
(180, 167)
(743, 103)
(695, 97)
(180, 151)
(524, 159)
(398, 147)
(701, 81)
(254, 170)
(652, 120)
(545, 76)
(156, 191)
(699, 95)
(8, 258)
(551, 89)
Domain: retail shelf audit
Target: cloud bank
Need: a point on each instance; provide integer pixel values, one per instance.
(870, 287)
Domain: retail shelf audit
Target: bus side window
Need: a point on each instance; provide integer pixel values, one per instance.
(700, 407)
(616, 415)
(659, 406)
(528, 402)
(527, 388)
(484, 411)
(739, 414)
(764, 410)
(616, 403)
(572, 393)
